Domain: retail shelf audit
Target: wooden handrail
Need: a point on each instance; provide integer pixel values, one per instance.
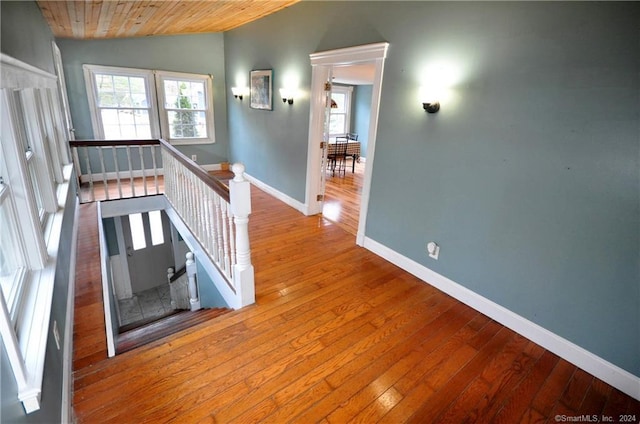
(98, 143)
(179, 273)
(216, 185)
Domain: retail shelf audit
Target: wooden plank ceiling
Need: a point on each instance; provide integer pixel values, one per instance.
(93, 19)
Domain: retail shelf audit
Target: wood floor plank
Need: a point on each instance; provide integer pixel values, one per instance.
(337, 335)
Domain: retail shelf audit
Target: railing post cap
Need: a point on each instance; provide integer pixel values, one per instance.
(238, 171)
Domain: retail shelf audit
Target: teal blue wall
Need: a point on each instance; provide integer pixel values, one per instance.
(198, 54)
(25, 35)
(528, 177)
(362, 115)
(210, 297)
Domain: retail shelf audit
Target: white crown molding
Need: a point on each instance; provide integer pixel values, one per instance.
(368, 52)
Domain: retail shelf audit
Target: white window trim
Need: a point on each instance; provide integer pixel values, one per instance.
(25, 343)
(19, 181)
(17, 287)
(164, 119)
(53, 139)
(90, 72)
(157, 112)
(41, 160)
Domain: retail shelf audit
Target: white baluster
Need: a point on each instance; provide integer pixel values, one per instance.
(86, 156)
(155, 168)
(219, 254)
(232, 242)
(142, 168)
(133, 188)
(240, 194)
(225, 262)
(76, 164)
(193, 286)
(114, 153)
(170, 275)
(104, 174)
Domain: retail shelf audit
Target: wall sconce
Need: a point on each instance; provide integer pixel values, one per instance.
(431, 107)
(238, 92)
(287, 95)
(430, 98)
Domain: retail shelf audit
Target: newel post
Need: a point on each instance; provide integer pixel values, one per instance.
(240, 197)
(194, 301)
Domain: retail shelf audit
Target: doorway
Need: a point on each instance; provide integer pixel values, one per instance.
(148, 254)
(323, 65)
(350, 116)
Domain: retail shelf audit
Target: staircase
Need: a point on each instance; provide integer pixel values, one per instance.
(137, 335)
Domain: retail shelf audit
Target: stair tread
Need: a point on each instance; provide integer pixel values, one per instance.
(157, 329)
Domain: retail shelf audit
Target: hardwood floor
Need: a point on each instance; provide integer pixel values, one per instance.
(342, 197)
(337, 335)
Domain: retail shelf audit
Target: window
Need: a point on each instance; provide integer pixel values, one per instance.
(145, 223)
(157, 232)
(34, 180)
(138, 104)
(12, 269)
(340, 118)
(32, 136)
(185, 106)
(137, 231)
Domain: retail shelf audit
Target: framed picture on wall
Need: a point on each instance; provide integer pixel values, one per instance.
(261, 89)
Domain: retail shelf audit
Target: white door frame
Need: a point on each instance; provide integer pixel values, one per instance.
(321, 64)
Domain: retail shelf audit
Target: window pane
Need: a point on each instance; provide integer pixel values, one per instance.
(9, 259)
(137, 231)
(122, 93)
(36, 188)
(184, 94)
(125, 117)
(155, 221)
(337, 124)
(187, 124)
(340, 99)
(123, 124)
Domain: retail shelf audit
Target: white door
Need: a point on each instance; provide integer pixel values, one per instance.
(148, 247)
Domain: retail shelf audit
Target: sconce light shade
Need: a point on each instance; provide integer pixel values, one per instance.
(287, 95)
(432, 107)
(238, 92)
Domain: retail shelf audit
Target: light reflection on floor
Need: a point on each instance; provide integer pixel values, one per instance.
(331, 210)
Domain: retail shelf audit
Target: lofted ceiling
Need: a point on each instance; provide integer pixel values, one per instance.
(94, 19)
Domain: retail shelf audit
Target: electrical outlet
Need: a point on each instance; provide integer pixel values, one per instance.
(56, 334)
(194, 158)
(433, 250)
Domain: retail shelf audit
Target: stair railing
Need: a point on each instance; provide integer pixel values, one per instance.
(216, 215)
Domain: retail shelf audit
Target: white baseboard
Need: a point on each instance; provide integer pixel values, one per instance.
(277, 194)
(580, 357)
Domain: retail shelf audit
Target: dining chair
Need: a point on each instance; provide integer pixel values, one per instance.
(337, 159)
